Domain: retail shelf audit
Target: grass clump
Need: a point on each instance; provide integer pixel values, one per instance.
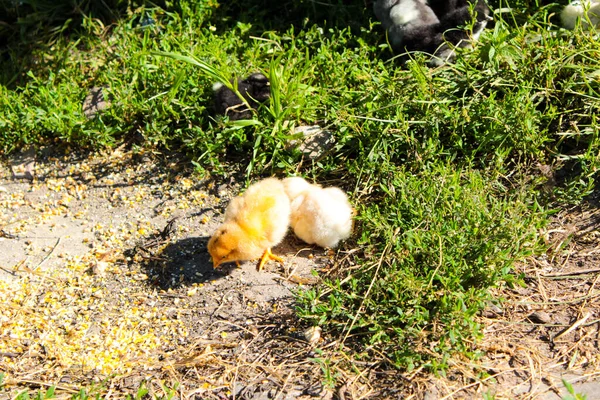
(37, 17)
(442, 238)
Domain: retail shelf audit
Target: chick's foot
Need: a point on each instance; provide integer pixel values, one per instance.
(266, 257)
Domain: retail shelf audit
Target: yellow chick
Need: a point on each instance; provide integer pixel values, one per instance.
(319, 215)
(254, 222)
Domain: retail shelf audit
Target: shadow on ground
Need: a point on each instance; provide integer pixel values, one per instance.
(175, 263)
(179, 263)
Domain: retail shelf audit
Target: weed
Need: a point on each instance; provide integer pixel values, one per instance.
(443, 237)
(142, 392)
(329, 376)
(572, 394)
(40, 395)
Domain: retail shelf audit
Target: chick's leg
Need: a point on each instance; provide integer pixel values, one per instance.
(266, 257)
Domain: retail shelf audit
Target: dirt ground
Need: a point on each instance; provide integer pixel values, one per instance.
(105, 278)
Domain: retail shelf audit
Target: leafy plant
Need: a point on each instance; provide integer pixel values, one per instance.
(443, 238)
(571, 390)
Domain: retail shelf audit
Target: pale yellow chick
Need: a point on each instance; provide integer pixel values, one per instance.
(321, 216)
(254, 222)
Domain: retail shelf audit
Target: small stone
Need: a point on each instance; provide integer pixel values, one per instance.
(313, 334)
(99, 268)
(315, 141)
(432, 393)
(540, 317)
(492, 311)
(23, 164)
(251, 332)
(94, 102)
(140, 277)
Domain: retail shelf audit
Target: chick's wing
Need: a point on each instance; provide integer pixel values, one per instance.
(254, 214)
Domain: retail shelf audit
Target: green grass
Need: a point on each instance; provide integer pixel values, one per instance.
(442, 163)
(95, 392)
(433, 245)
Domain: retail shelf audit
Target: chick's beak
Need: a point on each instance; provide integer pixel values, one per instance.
(216, 263)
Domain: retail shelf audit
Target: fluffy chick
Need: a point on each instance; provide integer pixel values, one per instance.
(294, 186)
(577, 10)
(322, 216)
(255, 89)
(254, 222)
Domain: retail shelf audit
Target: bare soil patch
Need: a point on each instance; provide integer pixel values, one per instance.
(105, 272)
(105, 279)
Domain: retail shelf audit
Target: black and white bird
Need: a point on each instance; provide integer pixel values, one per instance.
(435, 27)
(452, 25)
(255, 89)
(588, 12)
(409, 23)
